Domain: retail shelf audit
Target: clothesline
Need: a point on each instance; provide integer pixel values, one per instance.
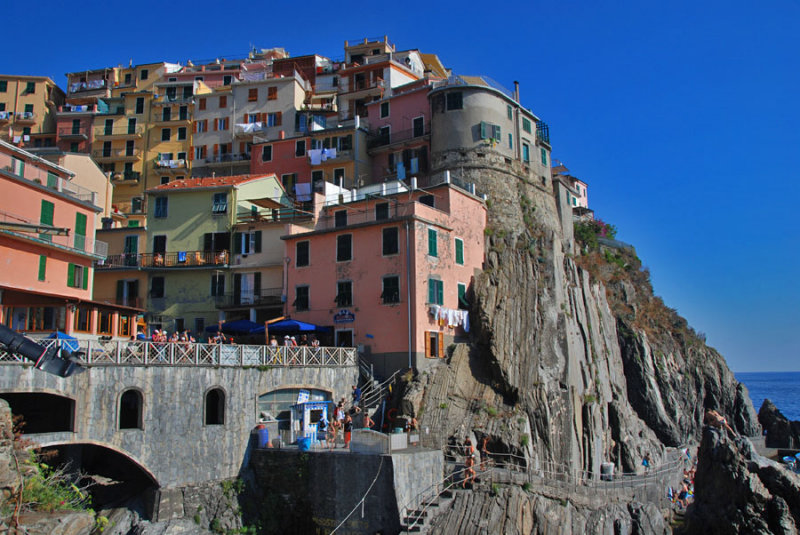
(450, 317)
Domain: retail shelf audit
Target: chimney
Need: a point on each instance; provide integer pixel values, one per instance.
(516, 90)
(281, 135)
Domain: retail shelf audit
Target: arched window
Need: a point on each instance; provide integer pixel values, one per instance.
(215, 407)
(130, 410)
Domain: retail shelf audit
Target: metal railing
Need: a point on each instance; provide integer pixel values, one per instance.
(139, 353)
(381, 139)
(119, 131)
(224, 158)
(177, 259)
(170, 164)
(74, 132)
(24, 116)
(116, 153)
(264, 296)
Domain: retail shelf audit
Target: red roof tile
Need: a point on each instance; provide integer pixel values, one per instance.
(206, 182)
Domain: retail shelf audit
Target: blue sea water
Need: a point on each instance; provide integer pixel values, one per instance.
(781, 388)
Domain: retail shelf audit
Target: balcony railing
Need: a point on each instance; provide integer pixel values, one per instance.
(248, 129)
(227, 158)
(116, 155)
(91, 85)
(176, 99)
(177, 260)
(72, 133)
(24, 227)
(543, 132)
(26, 117)
(121, 131)
(381, 139)
(170, 164)
(42, 177)
(127, 353)
(133, 176)
(5, 116)
(263, 297)
(269, 215)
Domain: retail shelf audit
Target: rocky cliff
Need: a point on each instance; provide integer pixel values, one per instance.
(573, 360)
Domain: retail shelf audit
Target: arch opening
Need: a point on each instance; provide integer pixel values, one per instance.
(130, 410)
(42, 412)
(215, 407)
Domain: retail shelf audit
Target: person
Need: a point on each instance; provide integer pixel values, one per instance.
(646, 462)
(348, 429)
(294, 342)
(356, 395)
(332, 429)
(273, 342)
(469, 463)
(287, 341)
(315, 342)
(368, 422)
(322, 429)
(304, 341)
(715, 419)
(484, 452)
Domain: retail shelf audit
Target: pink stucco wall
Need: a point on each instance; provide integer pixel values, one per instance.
(283, 160)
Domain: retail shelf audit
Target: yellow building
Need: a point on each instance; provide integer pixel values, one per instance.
(28, 107)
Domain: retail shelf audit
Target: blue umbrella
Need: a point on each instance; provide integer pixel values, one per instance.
(290, 325)
(70, 343)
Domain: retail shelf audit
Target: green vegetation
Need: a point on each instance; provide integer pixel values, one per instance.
(589, 398)
(443, 405)
(524, 440)
(491, 411)
(587, 232)
(527, 487)
(47, 489)
(495, 489)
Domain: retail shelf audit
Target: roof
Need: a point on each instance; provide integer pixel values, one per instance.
(206, 182)
(432, 64)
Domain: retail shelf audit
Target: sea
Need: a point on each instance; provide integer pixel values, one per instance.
(781, 388)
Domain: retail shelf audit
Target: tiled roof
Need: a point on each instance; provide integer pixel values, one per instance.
(206, 182)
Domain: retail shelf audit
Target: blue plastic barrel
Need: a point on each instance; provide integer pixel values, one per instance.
(263, 438)
(304, 444)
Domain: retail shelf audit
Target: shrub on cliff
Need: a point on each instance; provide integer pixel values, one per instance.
(587, 232)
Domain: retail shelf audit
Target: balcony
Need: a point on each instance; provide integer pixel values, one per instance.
(72, 133)
(121, 132)
(30, 230)
(5, 116)
(87, 88)
(166, 100)
(385, 139)
(134, 302)
(275, 215)
(227, 159)
(543, 133)
(75, 108)
(170, 165)
(127, 177)
(117, 155)
(178, 120)
(246, 130)
(266, 297)
(174, 260)
(26, 117)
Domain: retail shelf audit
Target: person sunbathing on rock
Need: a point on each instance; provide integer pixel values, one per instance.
(715, 419)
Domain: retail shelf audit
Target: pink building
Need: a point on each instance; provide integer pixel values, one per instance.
(390, 272)
(47, 247)
(286, 158)
(401, 127)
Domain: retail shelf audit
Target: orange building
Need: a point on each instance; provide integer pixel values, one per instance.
(47, 248)
(389, 269)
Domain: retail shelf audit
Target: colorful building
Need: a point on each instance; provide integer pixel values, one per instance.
(390, 270)
(28, 107)
(48, 246)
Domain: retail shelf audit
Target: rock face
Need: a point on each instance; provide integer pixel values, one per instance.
(737, 491)
(574, 361)
(780, 432)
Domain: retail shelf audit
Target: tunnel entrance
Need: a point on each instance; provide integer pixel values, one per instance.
(42, 413)
(116, 481)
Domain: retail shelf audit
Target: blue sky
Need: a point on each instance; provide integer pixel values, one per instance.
(682, 117)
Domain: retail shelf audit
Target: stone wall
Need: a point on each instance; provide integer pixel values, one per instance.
(174, 445)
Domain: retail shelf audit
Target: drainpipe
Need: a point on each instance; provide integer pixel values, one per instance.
(408, 291)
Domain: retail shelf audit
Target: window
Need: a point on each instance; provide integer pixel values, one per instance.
(139, 105)
(490, 131)
(544, 156)
(526, 152)
(344, 293)
(28, 108)
(157, 287)
(435, 292)
(46, 218)
(183, 113)
(300, 148)
(227, 79)
(419, 126)
(80, 231)
(128, 78)
(3, 108)
(301, 298)
(252, 94)
(42, 267)
(340, 218)
(384, 109)
(462, 296)
(382, 211)
(510, 141)
(223, 101)
(77, 276)
(130, 408)
(246, 243)
(344, 248)
(201, 103)
(217, 285)
(215, 407)
(510, 111)
(144, 74)
(30, 87)
(220, 205)
(165, 134)
(288, 180)
(526, 125)
(266, 153)
(455, 100)
(427, 200)
(390, 241)
(103, 322)
(433, 249)
(434, 345)
(3, 86)
(161, 207)
(390, 292)
(272, 93)
(166, 115)
(274, 119)
(182, 133)
(201, 126)
(221, 123)
(338, 177)
(301, 254)
(459, 251)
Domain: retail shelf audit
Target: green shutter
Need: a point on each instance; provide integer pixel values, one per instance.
(483, 130)
(462, 292)
(47, 213)
(510, 141)
(544, 157)
(52, 181)
(71, 275)
(496, 134)
(42, 265)
(431, 291)
(258, 241)
(80, 224)
(85, 278)
(237, 242)
(440, 292)
(459, 251)
(432, 248)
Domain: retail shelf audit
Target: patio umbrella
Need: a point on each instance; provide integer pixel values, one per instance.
(290, 325)
(70, 343)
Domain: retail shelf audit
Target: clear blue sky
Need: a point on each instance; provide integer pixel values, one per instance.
(681, 116)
